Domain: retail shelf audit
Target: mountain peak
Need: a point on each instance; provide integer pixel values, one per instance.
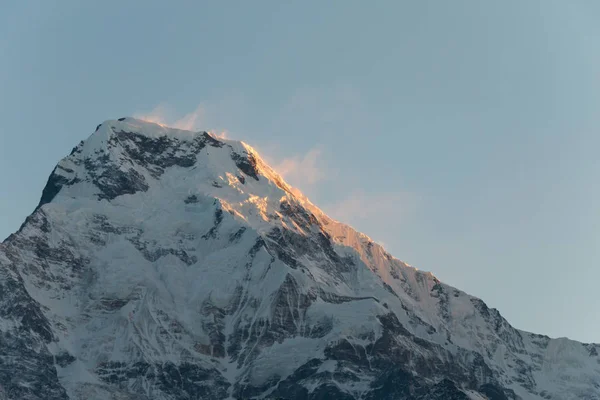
(171, 264)
(128, 155)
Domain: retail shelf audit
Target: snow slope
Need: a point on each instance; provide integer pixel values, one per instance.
(168, 264)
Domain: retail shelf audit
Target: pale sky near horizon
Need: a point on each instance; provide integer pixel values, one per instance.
(462, 135)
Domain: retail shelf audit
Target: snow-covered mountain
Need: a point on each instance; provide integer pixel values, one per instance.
(167, 264)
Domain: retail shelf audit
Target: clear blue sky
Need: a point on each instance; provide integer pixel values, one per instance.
(463, 135)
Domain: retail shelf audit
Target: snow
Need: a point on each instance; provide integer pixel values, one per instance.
(138, 298)
(148, 129)
(474, 395)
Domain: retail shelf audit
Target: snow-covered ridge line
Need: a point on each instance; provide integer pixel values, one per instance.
(166, 264)
(340, 232)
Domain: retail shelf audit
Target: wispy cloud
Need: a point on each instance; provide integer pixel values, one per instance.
(307, 172)
(302, 170)
(157, 115)
(222, 134)
(195, 120)
(163, 115)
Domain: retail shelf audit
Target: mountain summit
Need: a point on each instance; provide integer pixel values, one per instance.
(168, 264)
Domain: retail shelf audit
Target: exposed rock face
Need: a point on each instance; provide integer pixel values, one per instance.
(165, 264)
